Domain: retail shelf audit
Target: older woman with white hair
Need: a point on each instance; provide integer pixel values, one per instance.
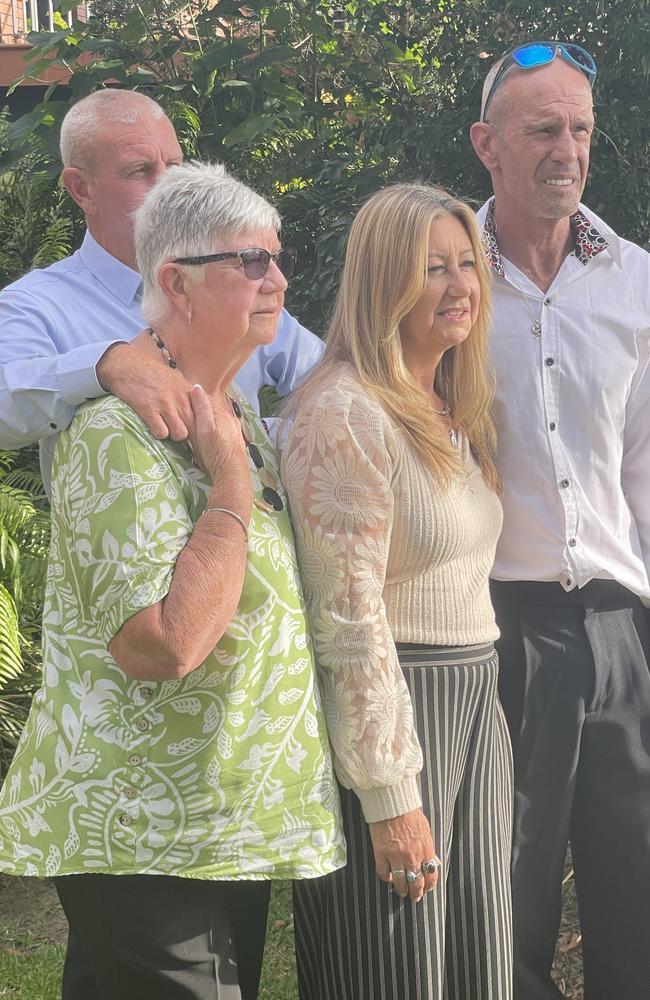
(175, 758)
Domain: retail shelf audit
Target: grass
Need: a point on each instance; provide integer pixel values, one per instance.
(279, 970)
(30, 970)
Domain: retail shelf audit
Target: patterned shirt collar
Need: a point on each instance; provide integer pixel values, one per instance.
(588, 240)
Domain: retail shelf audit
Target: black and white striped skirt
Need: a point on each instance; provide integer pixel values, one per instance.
(355, 938)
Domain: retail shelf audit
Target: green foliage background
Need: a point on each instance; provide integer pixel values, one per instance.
(316, 105)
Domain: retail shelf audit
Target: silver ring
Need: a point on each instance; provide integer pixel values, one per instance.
(413, 876)
(430, 867)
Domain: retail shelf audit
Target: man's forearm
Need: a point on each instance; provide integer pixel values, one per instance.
(39, 395)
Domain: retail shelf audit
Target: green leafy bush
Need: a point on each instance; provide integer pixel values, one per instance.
(24, 539)
(317, 104)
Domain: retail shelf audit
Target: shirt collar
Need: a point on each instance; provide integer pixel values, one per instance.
(117, 277)
(590, 240)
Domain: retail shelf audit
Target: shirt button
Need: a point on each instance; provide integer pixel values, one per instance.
(551, 426)
(547, 302)
(564, 483)
(130, 792)
(135, 760)
(125, 819)
(572, 543)
(549, 362)
(569, 581)
(142, 725)
(53, 426)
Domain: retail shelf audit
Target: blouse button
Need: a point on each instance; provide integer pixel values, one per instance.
(551, 426)
(135, 760)
(146, 692)
(125, 819)
(572, 543)
(130, 792)
(564, 483)
(549, 362)
(142, 725)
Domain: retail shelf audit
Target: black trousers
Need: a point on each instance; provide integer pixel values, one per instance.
(139, 936)
(575, 686)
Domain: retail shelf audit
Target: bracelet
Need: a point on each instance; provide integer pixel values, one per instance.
(225, 510)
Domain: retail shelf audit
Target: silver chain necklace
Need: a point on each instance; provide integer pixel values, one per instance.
(451, 430)
(536, 328)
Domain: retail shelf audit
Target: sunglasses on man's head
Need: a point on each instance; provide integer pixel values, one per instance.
(535, 54)
(255, 261)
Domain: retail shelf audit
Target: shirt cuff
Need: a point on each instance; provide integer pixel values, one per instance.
(394, 800)
(77, 376)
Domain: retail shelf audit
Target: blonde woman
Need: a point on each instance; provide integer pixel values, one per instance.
(393, 491)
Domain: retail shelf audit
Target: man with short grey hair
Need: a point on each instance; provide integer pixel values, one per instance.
(571, 348)
(65, 330)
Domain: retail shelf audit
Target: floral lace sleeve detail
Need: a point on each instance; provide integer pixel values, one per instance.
(337, 466)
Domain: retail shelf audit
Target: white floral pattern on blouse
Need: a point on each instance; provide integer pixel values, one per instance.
(386, 554)
(337, 466)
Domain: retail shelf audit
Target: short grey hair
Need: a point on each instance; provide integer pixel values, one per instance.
(487, 86)
(190, 207)
(83, 122)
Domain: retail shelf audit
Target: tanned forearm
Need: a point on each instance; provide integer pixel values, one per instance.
(174, 636)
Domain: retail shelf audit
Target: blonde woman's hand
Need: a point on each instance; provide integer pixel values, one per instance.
(403, 844)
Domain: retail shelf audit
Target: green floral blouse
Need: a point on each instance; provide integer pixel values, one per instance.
(225, 774)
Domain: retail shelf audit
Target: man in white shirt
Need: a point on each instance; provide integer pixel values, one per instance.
(571, 346)
(64, 330)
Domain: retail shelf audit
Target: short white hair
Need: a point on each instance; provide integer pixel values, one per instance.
(84, 120)
(183, 214)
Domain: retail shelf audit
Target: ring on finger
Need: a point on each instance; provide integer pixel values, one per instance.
(399, 871)
(413, 876)
(430, 867)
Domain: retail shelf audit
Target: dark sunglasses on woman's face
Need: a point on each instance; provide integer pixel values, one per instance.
(255, 261)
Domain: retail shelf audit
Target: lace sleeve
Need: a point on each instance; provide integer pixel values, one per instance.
(337, 466)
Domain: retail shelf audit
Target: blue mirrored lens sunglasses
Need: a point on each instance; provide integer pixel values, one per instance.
(535, 54)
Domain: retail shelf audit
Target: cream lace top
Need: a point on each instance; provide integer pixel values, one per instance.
(385, 555)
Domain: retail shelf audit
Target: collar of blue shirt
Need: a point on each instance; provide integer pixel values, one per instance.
(122, 281)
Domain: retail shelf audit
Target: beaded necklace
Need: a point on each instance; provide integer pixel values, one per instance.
(270, 499)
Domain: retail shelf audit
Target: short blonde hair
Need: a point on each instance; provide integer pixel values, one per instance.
(385, 274)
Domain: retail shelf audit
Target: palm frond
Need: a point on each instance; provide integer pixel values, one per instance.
(11, 661)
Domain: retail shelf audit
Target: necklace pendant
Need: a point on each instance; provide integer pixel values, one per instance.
(536, 329)
(453, 437)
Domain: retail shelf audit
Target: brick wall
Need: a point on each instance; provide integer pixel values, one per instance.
(12, 20)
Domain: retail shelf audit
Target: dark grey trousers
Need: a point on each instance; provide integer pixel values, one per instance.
(151, 936)
(575, 686)
(357, 940)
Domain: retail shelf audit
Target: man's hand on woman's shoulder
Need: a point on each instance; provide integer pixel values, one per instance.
(159, 395)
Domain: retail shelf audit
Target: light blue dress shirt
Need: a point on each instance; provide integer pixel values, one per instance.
(56, 323)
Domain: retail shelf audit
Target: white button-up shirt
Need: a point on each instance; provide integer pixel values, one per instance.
(56, 323)
(572, 414)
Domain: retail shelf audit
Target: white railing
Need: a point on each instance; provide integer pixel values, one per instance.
(43, 21)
